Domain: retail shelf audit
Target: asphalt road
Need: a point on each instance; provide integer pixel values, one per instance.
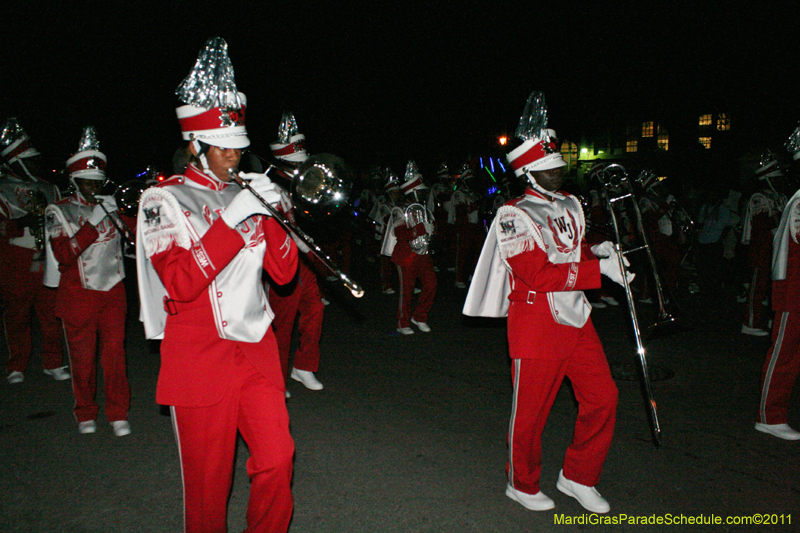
(409, 434)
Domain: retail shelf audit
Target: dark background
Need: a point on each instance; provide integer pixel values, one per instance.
(388, 82)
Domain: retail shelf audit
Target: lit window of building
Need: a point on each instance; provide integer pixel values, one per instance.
(632, 146)
(569, 151)
(706, 142)
(723, 122)
(705, 120)
(647, 129)
(663, 141)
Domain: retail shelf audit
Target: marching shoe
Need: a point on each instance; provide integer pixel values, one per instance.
(58, 374)
(324, 301)
(534, 502)
(388, 291)
(782, 431)
(121, 428)
(84, 428)
(756, 332)
(417, 290)
(461, 285)
(588, 497)
(405, 331)
(423, 326)
(610, 300)
(306, 378)
(287, 394)
(15, 377)
(598, 305)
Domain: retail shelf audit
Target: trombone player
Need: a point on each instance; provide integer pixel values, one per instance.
(84, 261)
(202, 244)
(533, 268)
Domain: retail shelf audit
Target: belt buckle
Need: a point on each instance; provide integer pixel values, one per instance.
(531, 297)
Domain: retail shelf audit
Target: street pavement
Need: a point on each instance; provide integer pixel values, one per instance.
(409, 434)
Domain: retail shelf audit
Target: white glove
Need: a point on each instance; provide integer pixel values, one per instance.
(245, 204)
(609, 267)
(97, 215)
(108, 202)
(604, 249)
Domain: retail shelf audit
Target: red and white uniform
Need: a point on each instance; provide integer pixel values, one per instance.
(533, 268)
(201, 290)
(760, 221)
(381, 213)
(299, 297)
(412, 265)
(21, 274)
(467, 232)
(91, 304)
(782, 365)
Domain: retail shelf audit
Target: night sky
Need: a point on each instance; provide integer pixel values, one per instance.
(387, 84)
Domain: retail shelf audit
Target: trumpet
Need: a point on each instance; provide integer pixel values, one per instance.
(318, 188)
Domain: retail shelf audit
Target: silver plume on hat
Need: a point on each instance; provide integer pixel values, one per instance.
(211, 82)
(411, 170)
(287, 128)
(11, 131)
(533, 122)
(793, 144)
(89, 140)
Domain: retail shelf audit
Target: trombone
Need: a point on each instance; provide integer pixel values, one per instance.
(127, 197)
(318, 188)
(615, 180)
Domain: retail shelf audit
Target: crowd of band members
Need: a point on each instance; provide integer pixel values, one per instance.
(695, 241)
(709, 239)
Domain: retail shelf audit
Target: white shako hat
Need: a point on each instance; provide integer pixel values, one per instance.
(291, 145)
(215, 109)
(768, 166)
(793, 144)
(413, 179)
(392, 182)
(15, 142)
(88, 163)
(538, 150)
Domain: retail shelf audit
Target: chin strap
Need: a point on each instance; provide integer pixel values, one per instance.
(201, 155)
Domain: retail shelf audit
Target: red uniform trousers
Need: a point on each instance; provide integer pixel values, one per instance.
(92, 317)
(760, 283)
(415, 267)
(21, 292)
(759, 259)
(780, 369)
(560, 351)
(207, 443)
(469, 241)
(387, 271)
(300, 297)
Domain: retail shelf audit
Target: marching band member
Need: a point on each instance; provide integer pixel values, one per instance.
(202, 244)
(91, 303)
(23, 198)
(467, 230)
(381, 213)
(533, 268)
(302, 296)
(782, 365)
(760, 222)
(407, 242)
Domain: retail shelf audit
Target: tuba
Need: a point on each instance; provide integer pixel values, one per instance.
(414, 215)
